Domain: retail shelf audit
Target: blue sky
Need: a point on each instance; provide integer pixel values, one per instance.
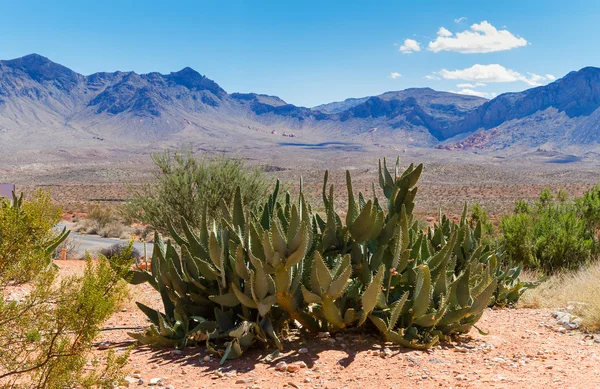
(313, 52)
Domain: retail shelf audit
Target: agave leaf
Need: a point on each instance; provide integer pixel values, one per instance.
(337, 287)
(371, 294)
(322, 272)
(422, 291)
(243, 298)
(227, 300)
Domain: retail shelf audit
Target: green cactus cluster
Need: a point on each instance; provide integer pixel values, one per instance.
(244, 278)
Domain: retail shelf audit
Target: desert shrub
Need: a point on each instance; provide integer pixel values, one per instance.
(588, 208)
(518, 238)
(578, 290)
(115, 230)
(25, 232)
(186, 186)
(253, 274)
(46, 335)
(100, 214)
(550, 235)
(72, 248)
(118, 250)
(488, 231)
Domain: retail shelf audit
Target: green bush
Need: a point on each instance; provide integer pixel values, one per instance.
(588, 208)
(25, 235)
(488, 231)
(186, 186)
(244, 279)
(551, 235)
(46, 334)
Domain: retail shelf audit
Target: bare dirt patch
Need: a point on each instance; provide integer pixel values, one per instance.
(523, 349)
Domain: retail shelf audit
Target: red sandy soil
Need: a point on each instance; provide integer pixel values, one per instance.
(523, 349)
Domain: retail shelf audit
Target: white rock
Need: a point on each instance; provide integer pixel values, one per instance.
(303, 350)
(155, 381)
(281, 366)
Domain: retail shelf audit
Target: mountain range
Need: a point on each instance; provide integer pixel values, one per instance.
(47, 105)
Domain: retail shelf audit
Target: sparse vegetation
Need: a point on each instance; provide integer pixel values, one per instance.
(118, 250)
(46, 334)
(186, 186)
(578, 290)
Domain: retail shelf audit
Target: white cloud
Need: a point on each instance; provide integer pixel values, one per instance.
(550, 77)
(409, 46)
(395, 75)
(431, 77)
(492, 73)
(460, 20)
(471, 92)
(444, 32)
(481, 38)
(475, 85)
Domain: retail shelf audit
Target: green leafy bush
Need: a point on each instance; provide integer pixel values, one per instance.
(46, 335)
(26, 236)
(588, 208)
(488, 232)
(551, 235)
(247, 277)
(187, 187)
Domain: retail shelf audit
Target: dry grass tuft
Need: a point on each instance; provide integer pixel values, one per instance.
(561, 290)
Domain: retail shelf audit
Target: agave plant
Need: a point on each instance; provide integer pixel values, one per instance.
(244, 278)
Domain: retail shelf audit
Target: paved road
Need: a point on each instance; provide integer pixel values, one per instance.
(94, 242)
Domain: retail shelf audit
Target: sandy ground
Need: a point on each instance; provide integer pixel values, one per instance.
(524, 348)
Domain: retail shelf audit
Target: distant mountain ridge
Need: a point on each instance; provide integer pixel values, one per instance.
(45, 104)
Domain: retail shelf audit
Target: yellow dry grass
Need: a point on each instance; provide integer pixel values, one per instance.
(561, 290)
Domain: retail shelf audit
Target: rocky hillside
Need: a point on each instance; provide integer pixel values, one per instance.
(45, 104)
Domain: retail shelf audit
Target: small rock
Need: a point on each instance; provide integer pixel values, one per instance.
(460, 377)
(307, 380)
(323, 335)
(155, 381)
(137, 375)
(292, 368)
(302, 364)
(331, 340)
(169, 387)
(104, 346)
(303, 350)
(281, 366)
(206, 358)
(176, 353)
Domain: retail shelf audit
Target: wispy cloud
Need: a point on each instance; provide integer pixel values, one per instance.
(395, 75)
(460, 20)
(467, 85)
(409, 46)
(492, 73)
(480, 38)
(471, 92)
